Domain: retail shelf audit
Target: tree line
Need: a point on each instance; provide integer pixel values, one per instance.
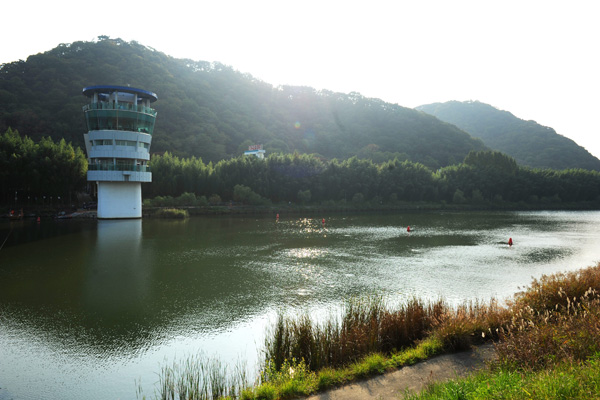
(42, 172)
(483, 177)
(46, 171)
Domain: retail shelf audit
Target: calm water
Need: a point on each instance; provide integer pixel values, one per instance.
(87, 308)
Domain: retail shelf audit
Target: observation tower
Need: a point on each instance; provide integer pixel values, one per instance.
(120, 123)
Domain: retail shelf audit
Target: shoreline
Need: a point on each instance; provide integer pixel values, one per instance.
(220, 210)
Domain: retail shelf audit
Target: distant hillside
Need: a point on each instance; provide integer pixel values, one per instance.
(526, 141)
(213, 111)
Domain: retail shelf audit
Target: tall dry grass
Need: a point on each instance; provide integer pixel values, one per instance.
(369, 326)
(556, 320)
(551, 290)
(534, 328)
(470, 323)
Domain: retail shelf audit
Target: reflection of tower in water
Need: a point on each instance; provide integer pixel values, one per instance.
(120, 123)
(118, 277)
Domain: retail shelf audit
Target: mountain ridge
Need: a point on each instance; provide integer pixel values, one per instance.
(528, 142)
(209, 110)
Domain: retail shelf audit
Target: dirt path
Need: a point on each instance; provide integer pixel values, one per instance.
(393, 385)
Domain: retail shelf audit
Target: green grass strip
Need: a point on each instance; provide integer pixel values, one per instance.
(304, 383)
(567, 381)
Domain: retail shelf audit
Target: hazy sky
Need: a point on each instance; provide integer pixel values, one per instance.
(537, 59)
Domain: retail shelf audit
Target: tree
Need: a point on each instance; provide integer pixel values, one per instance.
(244, 194)
(459, 197)
(304, 196)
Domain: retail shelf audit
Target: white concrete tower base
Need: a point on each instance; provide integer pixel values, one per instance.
(119, 200)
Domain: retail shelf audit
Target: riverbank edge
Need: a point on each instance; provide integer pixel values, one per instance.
(405, 207)
(285, 208)
(542, 310)
(414, 378)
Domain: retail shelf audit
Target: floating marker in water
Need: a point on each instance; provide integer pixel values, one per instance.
(510, 241)
(408, 229)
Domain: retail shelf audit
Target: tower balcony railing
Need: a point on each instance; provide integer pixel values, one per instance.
(119, 116)
(112, 167)
(110, 105)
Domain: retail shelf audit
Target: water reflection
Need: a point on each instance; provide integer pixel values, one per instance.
(117, 271)
(80, 307)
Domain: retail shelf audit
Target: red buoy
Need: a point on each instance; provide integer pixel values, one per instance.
(510, 241)
(408, 229)
(323, 221)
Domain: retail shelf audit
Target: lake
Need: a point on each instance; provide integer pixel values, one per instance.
(92, 309)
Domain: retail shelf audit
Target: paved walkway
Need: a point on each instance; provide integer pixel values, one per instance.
(393, 385)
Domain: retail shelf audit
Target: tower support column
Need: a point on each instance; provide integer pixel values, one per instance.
(119, 200)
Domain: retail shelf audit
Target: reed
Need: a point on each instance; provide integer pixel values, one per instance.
(201, 378)
(366, 326)
(550, 348)
(551, 290)
(555, 320)
(542, 336)
(470, 323)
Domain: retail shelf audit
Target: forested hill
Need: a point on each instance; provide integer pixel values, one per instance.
(213, 111)
(527, 142)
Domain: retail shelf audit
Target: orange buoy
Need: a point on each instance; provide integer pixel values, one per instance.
(510, 243)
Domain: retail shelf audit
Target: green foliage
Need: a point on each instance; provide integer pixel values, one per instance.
(492, 161)
(32, 170)
(484, 178)
(459, 197)
(214, 199)
(528, 142)
(212, 111)
(172, 213)
(244, 194)
(358, 198)
(209, 111)
(304, 196)
(476, 196)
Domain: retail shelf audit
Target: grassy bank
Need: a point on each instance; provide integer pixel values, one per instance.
(547, 339)
(566, 381)
(173, 213)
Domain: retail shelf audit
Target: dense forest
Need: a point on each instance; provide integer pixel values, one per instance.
(40, 173)
(527, 142)
(54, 172)
(483, 178)
(212, 111)
(323, 148)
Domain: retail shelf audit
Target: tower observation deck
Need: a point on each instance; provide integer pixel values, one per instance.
(120, 123)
